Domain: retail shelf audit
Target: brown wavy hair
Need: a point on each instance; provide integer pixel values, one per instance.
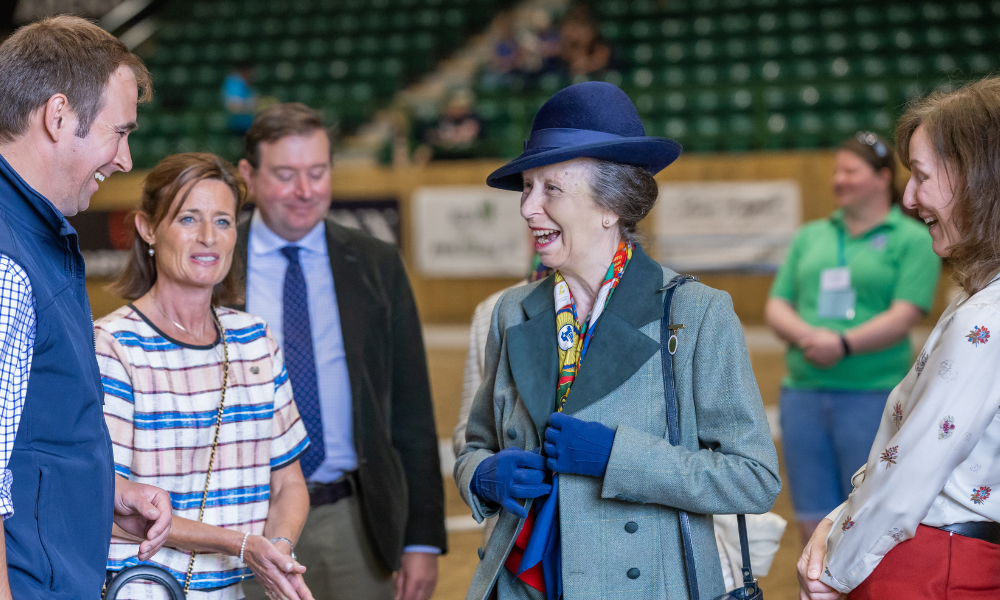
(164, 193)
(963, 126)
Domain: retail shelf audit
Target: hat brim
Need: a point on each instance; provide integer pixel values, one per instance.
(650, 153)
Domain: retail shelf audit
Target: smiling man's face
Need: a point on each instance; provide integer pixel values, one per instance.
(90, 160)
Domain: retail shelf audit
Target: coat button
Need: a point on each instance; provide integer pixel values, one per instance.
(481, 553)
(620, 497)
(633, 573)
(512, 433)
(631, 527)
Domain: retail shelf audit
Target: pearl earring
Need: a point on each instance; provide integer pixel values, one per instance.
(151, 251)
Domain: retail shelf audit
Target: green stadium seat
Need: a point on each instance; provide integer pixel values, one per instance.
(738, 49)
(933, 11)
(870, 41)
(735, 24)
(707, 74)
(770, 46)
(641, 78)
(771, 70)
(672, 28)
(803, 44)
(642, 30)
(832, 18)
(706, 101)
(809, 97)
(902, 39)
(775, 98)
(739, 72)
(900, 14)
(980, 64)
(845, 122)
(675, 52)
(705, 25)
(944, 64)
(675, 103)
(673, 77)
(641, 54)
(867, 15)
(938, 38)
(769, 23)
(801, 20)
(739, 99)
(806, 69)
(973, 36)
(612, 31)
(969, 11)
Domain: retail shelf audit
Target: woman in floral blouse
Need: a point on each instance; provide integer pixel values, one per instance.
(922, 520)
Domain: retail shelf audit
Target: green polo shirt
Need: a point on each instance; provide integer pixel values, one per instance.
(893, 261)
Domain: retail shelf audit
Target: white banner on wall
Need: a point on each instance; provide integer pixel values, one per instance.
(737, 225)
(469, 231)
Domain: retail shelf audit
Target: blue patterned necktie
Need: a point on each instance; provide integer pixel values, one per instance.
(300, 359)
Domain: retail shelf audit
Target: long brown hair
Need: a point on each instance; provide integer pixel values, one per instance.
(164, 193)
(964, 128)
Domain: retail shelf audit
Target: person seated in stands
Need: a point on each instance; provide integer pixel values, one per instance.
(457, 130)
(583, 50)
(239, 97)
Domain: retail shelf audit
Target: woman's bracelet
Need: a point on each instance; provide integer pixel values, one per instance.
(243, 546)
(847, 347)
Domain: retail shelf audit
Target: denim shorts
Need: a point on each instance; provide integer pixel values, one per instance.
(826, 436)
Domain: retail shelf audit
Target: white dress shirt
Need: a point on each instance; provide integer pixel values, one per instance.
(934, 461)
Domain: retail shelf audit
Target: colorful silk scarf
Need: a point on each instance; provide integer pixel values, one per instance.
(535, 558)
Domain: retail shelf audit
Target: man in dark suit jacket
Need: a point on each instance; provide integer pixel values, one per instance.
(340, 304)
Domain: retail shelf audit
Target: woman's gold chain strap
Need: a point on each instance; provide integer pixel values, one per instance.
(215, 441)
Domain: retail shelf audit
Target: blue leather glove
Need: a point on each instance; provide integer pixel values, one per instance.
(510, 474)
(575, 446)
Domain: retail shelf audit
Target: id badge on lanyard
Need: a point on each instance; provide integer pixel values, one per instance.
(836, 296)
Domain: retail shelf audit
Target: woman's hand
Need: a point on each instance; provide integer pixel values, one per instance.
(822, 347)
(509, 475)
(279, 574)
(810, 566)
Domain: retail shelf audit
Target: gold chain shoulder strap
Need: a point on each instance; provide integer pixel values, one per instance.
(215, 441)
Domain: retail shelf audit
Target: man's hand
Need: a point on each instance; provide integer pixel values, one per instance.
(823, 348)
(143, 511)
(810, 566)
(417, 576)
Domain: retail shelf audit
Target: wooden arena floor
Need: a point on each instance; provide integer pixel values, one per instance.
(446, 353)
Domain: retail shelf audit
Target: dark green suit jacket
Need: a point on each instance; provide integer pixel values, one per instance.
(399, 472)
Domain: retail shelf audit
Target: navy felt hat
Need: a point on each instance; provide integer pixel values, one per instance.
(587, 120)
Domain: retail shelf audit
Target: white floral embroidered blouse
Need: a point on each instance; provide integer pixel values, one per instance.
(935, 457)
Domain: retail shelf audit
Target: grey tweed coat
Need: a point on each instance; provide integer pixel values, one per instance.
(726, 463)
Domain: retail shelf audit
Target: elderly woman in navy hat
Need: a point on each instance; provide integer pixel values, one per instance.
(568, 436)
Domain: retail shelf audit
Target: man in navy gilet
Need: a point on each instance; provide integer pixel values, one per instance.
(68, 95)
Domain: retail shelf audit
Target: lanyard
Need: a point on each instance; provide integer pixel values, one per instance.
(841, 254)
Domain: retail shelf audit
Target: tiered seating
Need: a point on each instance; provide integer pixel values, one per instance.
(347, 57)
(732, 75)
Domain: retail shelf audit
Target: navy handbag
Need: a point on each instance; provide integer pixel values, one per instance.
(668, 342)
(149, 573)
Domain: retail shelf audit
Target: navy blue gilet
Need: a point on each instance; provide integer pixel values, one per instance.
(62, 462)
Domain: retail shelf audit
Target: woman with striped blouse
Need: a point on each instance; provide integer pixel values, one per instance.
(197, 397)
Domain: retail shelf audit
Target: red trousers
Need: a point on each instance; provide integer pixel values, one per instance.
(936, 565)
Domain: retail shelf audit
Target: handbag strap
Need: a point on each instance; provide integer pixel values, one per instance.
(667, 331)
(215, 440)
(673, 420)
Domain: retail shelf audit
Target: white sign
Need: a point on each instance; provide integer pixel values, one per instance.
(470, 231)
(726, 225)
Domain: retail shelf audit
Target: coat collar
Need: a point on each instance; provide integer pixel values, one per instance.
(617, 350)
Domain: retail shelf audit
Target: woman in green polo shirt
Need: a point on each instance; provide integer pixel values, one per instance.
(851, 288)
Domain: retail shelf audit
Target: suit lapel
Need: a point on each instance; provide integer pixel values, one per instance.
(618, 349)
(350, 285)
(533, 356)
